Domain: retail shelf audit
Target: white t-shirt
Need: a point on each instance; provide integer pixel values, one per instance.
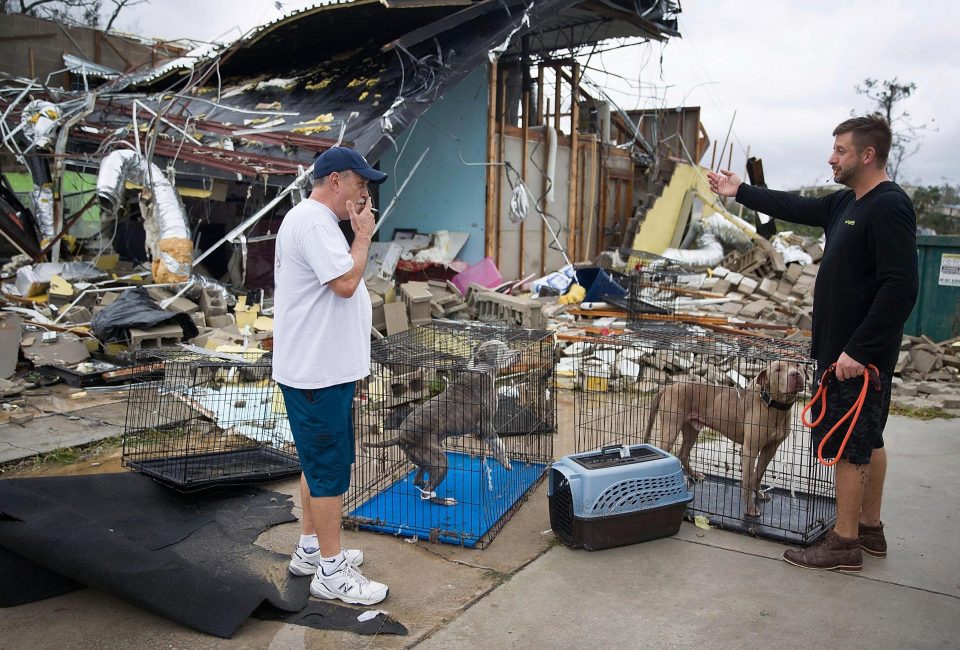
(319, 338)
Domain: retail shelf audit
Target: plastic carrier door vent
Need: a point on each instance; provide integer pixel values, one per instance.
(636, 494)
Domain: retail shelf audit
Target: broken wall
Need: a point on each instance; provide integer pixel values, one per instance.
(444, 193)
(665, 221)
(511, 264)
(33, 48)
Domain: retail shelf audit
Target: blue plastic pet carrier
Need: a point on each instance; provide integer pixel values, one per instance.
(615, 496)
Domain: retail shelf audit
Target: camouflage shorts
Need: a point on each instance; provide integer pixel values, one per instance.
(868, 433)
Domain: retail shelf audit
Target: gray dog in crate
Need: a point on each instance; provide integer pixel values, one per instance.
(467, 405)
(757, 418)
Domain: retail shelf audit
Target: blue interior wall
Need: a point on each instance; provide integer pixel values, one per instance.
(444, 194)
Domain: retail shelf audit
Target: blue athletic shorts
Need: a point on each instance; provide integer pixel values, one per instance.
(321, 420)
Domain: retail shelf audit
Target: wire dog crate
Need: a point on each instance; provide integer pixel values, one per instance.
(706, 394)
(644, 284)
(202, 419)
(429, 462)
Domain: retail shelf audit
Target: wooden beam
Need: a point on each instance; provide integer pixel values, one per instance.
(492, 170)
(574, 167)
(525, 127)
(540, 121)
(502, 94)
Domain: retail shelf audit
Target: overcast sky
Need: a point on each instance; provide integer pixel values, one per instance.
(787, 68)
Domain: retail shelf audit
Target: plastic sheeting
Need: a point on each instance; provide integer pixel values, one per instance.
(136, 309)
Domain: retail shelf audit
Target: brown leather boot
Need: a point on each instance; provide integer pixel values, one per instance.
(831, 552)
(872, 540)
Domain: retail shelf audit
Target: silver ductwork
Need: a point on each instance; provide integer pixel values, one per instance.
(165, 220)
(40, 120)
(42, 195)
(713, 233)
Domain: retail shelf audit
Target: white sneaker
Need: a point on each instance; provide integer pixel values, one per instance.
(349, 585)
(305, 564)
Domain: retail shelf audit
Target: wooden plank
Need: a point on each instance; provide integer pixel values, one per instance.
(572, 217)
(492, 171)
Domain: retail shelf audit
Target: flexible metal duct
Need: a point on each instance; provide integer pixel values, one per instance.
(42, 194)
(715, 231)
(165, 220)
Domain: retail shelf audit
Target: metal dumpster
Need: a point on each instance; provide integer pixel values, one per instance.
(937, 312)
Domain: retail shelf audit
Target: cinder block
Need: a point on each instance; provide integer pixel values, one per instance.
(722, 286)
(416, 296)
(379, 319)
(223, 320)
(212, 303)
(395, 314)
(747, 286)
(183, 306)
(500, 308)
(155, 337)
(734, 278)
(793, 272)
(767, 287)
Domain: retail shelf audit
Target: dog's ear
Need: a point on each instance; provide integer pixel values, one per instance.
(762, 379)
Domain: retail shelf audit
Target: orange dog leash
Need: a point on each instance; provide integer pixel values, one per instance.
(870, 373)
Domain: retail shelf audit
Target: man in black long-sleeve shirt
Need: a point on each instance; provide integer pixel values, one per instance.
(866, 288)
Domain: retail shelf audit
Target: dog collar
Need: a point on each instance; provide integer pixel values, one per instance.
(772, 403)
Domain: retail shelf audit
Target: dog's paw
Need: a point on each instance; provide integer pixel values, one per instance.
(507, 466)
(445, 501)
(696, 477)
(763, 496)
(753, 512)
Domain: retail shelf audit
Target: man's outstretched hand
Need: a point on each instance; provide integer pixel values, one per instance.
(726, 183)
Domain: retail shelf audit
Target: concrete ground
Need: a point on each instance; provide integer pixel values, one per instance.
(700, 588)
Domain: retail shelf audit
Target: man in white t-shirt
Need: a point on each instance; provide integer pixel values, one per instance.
(321, 347)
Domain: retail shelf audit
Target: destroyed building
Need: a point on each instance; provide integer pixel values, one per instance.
(129, 162)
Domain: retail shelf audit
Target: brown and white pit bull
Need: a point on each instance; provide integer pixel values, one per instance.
(757, 418)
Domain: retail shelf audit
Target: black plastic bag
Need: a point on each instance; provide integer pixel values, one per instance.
(135, 308)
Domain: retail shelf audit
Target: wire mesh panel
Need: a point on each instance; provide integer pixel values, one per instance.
(201, 419)
(653, 283)
(728, 406)
(454, 427)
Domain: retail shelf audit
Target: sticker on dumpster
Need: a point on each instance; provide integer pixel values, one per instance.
(950, 270)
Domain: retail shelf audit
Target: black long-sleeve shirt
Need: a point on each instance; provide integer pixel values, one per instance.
(868, 279)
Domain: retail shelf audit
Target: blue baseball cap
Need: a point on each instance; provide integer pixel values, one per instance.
(338, 159)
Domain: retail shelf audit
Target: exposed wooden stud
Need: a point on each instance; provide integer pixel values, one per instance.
(524, 130)
(502, 101)
(604, 188)
(730, 158)
(572, 187)
(540, 97)
(541, 100)
(492, 170)
(713, 156)
(556, 100)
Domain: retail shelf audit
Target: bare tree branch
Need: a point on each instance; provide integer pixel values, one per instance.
(118, 6)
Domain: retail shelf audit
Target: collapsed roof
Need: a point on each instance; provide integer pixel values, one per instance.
(358, 72)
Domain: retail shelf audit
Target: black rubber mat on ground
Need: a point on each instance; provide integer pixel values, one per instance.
(188, 558)
(796, 518)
